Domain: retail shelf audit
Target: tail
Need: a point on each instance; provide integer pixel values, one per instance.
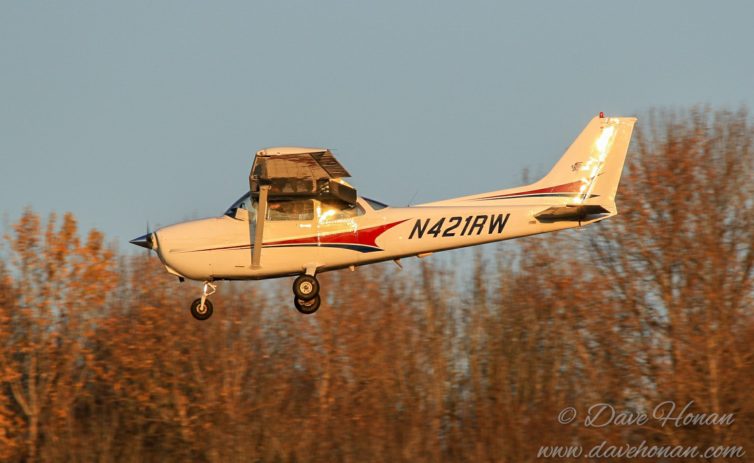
(587, 175)
(590, 170)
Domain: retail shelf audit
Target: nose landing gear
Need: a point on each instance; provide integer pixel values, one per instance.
(201, 308)
(306, 294)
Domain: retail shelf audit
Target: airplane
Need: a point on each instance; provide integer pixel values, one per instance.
(301, 218)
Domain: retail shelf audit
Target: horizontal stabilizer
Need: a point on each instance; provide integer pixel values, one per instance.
(581, 213)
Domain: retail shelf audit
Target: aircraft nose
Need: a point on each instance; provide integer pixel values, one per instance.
(145, 241)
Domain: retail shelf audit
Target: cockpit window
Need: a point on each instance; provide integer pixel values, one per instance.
(296, 209)
(244, 202)
(376, 205)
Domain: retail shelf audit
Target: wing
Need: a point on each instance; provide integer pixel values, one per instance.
(297, 172)
(320, 161)
(291, 172)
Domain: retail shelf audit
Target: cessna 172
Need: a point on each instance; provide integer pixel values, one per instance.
(300, 218)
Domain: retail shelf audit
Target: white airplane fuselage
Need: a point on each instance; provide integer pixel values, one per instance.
(220, 248)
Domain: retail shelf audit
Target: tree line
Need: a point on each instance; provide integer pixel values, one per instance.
(101, 361)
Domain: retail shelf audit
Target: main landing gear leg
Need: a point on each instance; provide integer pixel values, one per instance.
(201, 308)
(306, 294)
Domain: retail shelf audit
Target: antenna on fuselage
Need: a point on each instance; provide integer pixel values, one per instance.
(412, 198)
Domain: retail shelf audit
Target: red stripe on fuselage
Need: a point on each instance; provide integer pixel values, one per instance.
(564, 188)
(366, 236)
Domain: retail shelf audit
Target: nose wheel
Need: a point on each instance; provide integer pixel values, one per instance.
(306, 294)
(202, 308)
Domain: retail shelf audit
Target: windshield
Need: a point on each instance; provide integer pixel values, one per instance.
(243, 202)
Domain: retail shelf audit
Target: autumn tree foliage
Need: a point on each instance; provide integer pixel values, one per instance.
(467, 360)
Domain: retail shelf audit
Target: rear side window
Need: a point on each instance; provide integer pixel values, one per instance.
(337, 210)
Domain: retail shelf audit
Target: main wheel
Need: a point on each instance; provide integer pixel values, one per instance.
(306, 287)
(307, 307)
(199, 311)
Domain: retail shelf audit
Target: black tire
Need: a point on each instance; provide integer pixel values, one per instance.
(305, 287)
(201, 314)
(307, 307)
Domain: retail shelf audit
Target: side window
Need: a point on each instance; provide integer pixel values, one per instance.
(338, 210)
(297, 209)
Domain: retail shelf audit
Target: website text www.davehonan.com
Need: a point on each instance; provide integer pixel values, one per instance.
(665, 414)
(640, 450)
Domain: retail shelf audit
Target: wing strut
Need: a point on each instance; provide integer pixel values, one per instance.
(256, 252)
